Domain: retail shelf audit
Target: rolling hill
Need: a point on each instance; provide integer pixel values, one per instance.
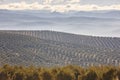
(51, 48)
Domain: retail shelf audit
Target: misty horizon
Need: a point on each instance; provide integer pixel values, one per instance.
(95, 23)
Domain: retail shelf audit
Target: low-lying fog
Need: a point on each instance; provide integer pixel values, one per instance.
(105, 23)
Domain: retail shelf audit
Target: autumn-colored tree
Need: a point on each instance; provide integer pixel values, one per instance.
(62, 75)
(45, 75)
(69, 72)
(112, 74)
(90, 75)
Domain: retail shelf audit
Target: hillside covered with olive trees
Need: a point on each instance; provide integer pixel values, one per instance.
(50, 48)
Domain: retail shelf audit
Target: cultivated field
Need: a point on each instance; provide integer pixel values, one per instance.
(50, 48)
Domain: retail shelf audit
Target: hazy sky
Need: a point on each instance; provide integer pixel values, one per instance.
(101, 2)
(104, 28)
(61, 5)
(97, 2)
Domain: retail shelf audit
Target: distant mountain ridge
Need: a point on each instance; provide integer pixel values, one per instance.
(50, 48)
(98, 23)
(115, 14)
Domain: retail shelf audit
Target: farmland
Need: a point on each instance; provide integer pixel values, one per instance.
(50, 48)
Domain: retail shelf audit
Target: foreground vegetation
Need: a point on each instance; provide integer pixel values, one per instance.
(69, 72)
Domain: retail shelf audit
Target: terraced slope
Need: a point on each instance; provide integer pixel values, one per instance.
(49, 48)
